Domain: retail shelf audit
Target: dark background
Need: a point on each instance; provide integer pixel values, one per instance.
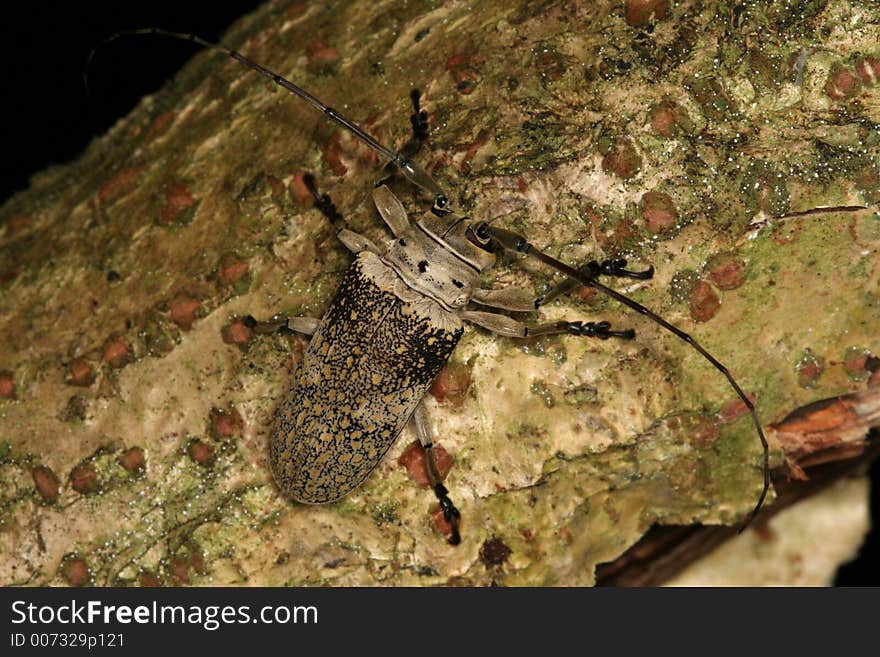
(47, 116)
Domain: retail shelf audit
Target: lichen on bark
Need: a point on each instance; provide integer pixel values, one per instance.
(553, 118)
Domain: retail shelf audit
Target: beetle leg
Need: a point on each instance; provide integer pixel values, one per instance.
(511, 328)
(508, 298)
(419, 117)
(419, 122)
(351, 240)
(356, 243)
(594, 269)
(391, 209)
(424, 433)
(304, 325)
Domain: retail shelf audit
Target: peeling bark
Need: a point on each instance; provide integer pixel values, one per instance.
(828, 439)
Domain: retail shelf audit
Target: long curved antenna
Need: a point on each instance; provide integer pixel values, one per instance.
(410, 169)
(514, 242)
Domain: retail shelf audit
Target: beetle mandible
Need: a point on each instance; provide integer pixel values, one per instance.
(396, 319)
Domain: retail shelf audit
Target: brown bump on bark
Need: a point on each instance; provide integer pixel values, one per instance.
(197, 561)
(225, 423)
(179, 570)
(121, 182)
(296, 354)
(439, 521)
(321, 57)
(117, 352)
(622, 159)
(855, 363)
(658, 211)
(77, 409)
(84, 479)
(46, 482)
(159, 126)
(296, 10)
(133, 459)
(703, 302)
(764, 531)
(17, 224)
(867, 178)
(237, 332)
(472, 147)
(7, 385)
(200, 452)
(413, 459)
(584, 294)
(75, 571)
(463, 73)
(494, 552)
(332, 150)
(452, 384)
(809, 368)
(842, 83)
(276, 185)
(149, 579)
(185, 310)
(735, 409)
(231, 269)
(551, 64)
(7, 275)
(705, 432)
(299, 191)
(81, 373)
(662, 118)
(177, 199)
(640, 13)
(726, 270)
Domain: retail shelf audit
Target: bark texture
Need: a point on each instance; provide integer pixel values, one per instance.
(700, 137)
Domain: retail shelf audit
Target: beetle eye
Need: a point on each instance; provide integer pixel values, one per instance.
(441, 206)
(480, 237)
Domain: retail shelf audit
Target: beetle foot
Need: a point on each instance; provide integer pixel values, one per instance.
(419, 117)
(323, 201)
(278, 324)
(601, 330)
(617, 267)
(449, 512)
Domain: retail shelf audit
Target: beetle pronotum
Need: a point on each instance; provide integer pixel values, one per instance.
(396, 319)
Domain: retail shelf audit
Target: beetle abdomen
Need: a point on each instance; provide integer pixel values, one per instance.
(366, 369)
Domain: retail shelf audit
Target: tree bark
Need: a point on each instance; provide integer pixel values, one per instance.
(730, 146)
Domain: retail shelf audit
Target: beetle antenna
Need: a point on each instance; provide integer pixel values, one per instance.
(410, 169)
(514, 242)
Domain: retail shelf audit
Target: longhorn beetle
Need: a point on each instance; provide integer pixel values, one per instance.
(395, 320)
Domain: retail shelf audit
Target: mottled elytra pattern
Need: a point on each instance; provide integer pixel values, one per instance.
(366, 369)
